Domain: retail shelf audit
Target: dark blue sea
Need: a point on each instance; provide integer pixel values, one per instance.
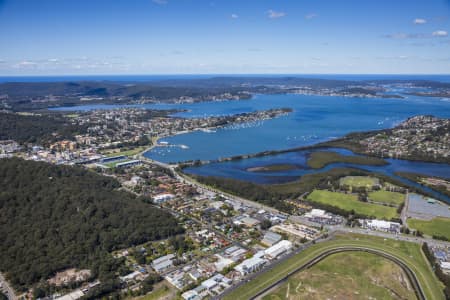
(149, 78)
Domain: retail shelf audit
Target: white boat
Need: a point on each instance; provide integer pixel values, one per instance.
(207, 130)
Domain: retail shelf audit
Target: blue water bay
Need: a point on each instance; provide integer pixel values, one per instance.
(314, 119)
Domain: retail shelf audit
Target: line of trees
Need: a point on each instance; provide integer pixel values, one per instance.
(258, 193)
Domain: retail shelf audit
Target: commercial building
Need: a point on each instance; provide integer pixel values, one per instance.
(381, 225)
(235, 253)
(322, 217)
(161, 198)
(113, 158)
(246, 221)
(271, 238)
(195, 275)
(278, 249)
(129, 163)
(163, 263)
(191, 295)
(250, 265)
(176, 279)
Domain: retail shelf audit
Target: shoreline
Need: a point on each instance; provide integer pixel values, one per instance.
(212, 129)
(321, 145)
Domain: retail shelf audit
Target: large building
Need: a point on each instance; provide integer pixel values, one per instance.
(161, 198)
(250, 265)
(191, 295)
(129, 163)
(271, 238)
(163, 263)
(246, 221)
(381, 225)
(113, 159)
(278, 249)
(322, 217)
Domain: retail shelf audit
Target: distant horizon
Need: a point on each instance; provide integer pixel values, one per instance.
(141, 78)
(221, 74)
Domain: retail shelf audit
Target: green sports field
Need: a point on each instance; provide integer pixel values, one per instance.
(410, 253)
(387, 197)
(359, 181)
(436, 226)
(130, 152)
(350, 202)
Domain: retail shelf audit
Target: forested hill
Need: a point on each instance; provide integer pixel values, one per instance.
(55, 217)
(38, 129)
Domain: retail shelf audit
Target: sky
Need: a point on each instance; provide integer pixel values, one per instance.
(93, 37)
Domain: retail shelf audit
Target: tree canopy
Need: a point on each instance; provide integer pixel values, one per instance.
(56, 217)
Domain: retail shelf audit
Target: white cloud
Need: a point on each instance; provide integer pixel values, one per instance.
(399, 57)
(440, 33)
(419, 21)
(26, 64)
(275, 14)
(177, 52)
(234, 16)
(403, 36)
(160, 2)
(311, 16)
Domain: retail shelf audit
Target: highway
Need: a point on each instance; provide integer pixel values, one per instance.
(6, 288)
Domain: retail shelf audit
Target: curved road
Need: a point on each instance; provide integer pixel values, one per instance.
(409, 273)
